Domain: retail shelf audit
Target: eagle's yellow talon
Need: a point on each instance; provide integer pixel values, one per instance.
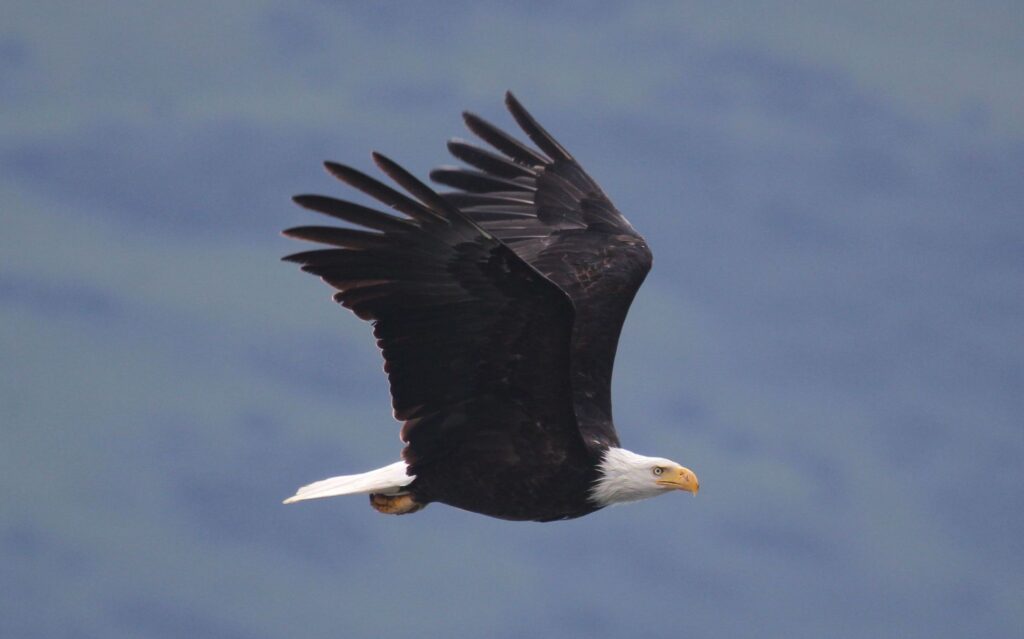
(401, 504)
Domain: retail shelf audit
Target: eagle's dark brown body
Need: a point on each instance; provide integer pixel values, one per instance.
(540, 490)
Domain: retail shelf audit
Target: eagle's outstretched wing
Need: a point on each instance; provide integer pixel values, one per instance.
(552, 214)
(475, 340)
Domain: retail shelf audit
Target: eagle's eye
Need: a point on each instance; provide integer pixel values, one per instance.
(658, 470)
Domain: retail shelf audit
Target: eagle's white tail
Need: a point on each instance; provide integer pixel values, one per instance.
(388, 480)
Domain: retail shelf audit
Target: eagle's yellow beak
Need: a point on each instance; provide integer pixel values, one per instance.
(681, 479)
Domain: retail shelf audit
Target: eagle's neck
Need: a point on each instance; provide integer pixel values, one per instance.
(624, 476)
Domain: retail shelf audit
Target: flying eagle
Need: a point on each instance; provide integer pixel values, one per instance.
(497, 307)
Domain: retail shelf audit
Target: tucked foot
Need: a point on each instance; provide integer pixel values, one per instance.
(401, 504)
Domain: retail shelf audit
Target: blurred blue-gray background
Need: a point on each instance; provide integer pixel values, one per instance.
(832, 337)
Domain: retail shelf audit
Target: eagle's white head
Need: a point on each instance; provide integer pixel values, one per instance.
(626, 476)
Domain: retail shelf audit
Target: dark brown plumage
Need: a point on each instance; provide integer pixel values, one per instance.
(497, 308)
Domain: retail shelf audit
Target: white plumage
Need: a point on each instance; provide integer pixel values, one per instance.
(627, 476)
(387, 480)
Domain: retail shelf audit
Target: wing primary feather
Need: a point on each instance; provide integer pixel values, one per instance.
(498, 212)
(410, 183)
(337, 236)
(351, 212)
(382, 192)
(487, 161)
(312, 257)
(477, 182)
(503, 141)
(536, 132)
(462, 199)
(428, 195)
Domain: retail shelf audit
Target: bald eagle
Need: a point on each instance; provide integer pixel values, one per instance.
(497, 307)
